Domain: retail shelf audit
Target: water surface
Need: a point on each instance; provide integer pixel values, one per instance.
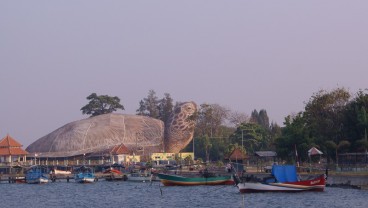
(134, 194)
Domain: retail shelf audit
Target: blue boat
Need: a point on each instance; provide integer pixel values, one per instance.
(37, 175)
(84, 175)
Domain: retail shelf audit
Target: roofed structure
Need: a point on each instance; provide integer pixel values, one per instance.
(236, 154)
(115, 154)
(11, 150)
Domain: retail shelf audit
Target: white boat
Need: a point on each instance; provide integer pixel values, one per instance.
(141, 177)
(84, 175)
(61, 172)
(37, 175)
(283, 179)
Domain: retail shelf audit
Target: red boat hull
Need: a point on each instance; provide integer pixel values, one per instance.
(316, 184)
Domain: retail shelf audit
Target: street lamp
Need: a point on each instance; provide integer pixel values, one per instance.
(242, 138)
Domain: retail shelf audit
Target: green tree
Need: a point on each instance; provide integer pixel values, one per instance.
(254, 116)
(356, 121)
(263, 119)
(154, 107)
(294, 134)
(337, 146)
(151, 103)
(210, 118)
(165, 107)
(324, 115)
(142, 108)
(101, 104)
(251, 137)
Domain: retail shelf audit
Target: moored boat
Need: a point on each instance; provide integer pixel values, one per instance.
(20, 179)
(141, 177)
(37, 175)
(112, 174)
(60, 172)
(177, 180)
(84, 175)
(282, 179)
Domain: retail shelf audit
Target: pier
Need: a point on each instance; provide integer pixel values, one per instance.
(20, 178)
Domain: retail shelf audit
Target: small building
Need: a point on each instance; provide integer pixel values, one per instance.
(265, 159)
(116, 154)
(237, 158)
(168, 158)
(162, 156)
(11, 152)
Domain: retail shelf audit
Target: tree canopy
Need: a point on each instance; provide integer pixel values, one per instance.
(154, 107)
(332, 121)
(101, 104)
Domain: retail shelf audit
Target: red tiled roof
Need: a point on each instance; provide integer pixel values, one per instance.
(119, 150)
(237, 154)
(9, 146)
(9, 141)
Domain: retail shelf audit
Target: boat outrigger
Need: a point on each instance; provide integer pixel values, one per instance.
(283, 179)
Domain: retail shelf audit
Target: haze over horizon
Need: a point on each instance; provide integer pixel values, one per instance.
(243, 55)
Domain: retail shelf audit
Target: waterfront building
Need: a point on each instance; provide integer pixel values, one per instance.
(11, 152)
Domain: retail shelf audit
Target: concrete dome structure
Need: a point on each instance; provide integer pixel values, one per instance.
(140, 134)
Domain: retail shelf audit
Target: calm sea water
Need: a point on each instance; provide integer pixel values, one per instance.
(134, 194)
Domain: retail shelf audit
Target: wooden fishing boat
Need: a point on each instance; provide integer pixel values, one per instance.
(112, 174)
(20, 179)
(177, 180)
(84, 175)
(37, 175)
(141, 177)
(282, 179)
(60, 172)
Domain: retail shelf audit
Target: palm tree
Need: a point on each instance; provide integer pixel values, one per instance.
(332, 145)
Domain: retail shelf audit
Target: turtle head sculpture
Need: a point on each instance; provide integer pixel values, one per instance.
(179, 128)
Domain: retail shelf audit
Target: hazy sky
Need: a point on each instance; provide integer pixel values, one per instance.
(244, 55)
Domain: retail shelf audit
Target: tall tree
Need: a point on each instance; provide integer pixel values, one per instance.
(251, 137)
(263, 119)
(356, 121)
(337, 146)
(165, 107)
(254, 116)
(237, 118)
(324, 115)
(142, 108)
(210, 118)
(101, 104)
(294, 134)
(149, 105)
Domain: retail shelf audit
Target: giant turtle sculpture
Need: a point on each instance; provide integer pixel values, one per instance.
(140, 134)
